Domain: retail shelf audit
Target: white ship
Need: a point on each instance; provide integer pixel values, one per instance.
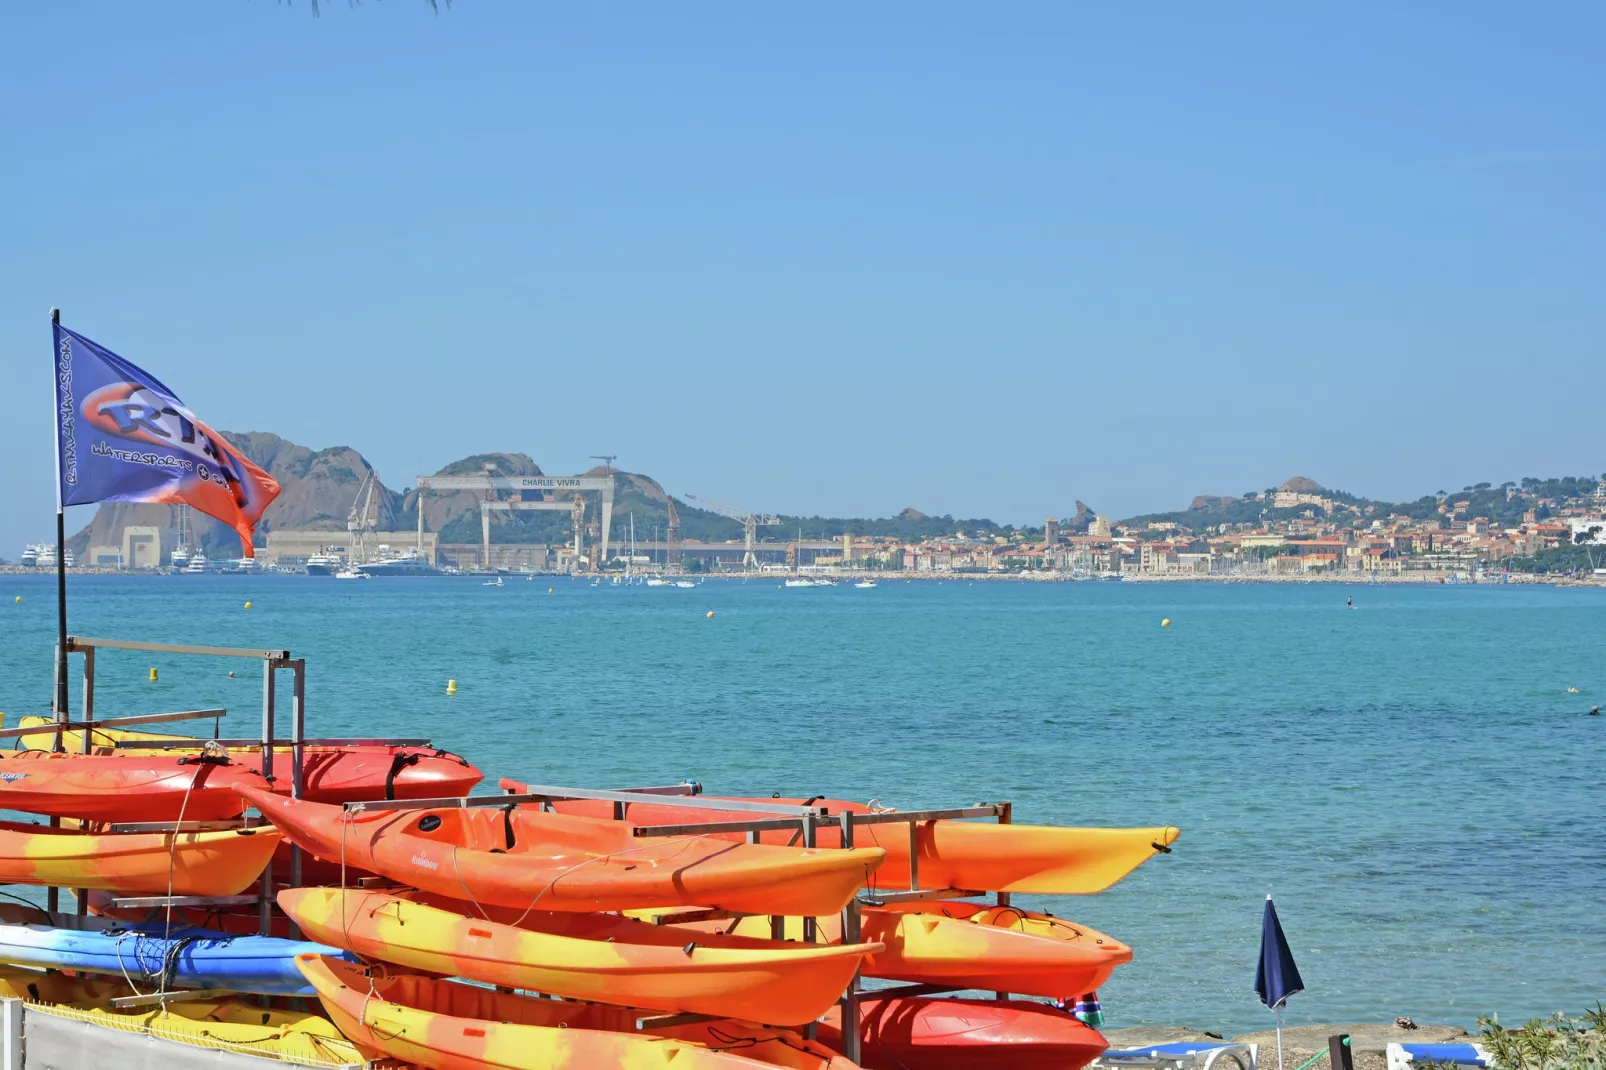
(30, 556)
(324, 565)
(407, 563)
(197, 565)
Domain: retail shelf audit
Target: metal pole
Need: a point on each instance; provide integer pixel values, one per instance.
(851, 934)
(265, 906)
(809, 925)
(89, 693)
(298, 734)
(61, 530)
(1006, 814)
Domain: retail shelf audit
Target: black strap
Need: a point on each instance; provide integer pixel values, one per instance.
(401, 761)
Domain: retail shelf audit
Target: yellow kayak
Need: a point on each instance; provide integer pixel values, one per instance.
(227, 1024)
(447, 1025)
(599, 958)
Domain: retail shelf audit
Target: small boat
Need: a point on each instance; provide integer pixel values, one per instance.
(600, 958)
(982, 856)
(966, 1034)
(967, 945)
(135, 863)
(150, 785)
(446, 1025)
(801, 581)
(493, 583)
(178, 955)
(865, 585)
(352, 574)
(527, 858)
(685, 584)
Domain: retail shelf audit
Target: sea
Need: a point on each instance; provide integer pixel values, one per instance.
(1416, 779)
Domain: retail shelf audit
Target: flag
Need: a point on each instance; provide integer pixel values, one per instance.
(122, 436)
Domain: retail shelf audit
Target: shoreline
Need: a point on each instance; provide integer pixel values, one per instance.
(888, 576)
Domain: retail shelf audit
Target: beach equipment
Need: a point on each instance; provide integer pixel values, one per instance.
(347, 772)
(197, 787)
(447, 1025)
(1276, 975)
(899, 1032)
(153, 953)
(522, 858)
(1181, 1056)
(596, 957)
(966, 945)
(973, 855)
(185, 863)
(1401, 1056)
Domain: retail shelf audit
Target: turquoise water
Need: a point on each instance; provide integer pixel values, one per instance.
(1410, 780)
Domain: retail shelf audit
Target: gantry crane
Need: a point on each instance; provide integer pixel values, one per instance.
(749, 521)
(363, 520)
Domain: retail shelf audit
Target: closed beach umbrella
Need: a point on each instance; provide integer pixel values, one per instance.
(1276, 976)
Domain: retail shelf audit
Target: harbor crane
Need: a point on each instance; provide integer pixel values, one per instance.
(607, 459)
(749, 521)
(363, 520)
(530, 492)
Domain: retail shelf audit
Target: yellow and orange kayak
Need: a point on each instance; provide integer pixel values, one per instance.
(981, 856)
(135, 863)
(530, 859)
(967, 945)
(601, 958)
(446, 1025)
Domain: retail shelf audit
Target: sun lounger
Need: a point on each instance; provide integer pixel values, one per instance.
(1186, 1056)
(1401, 1056)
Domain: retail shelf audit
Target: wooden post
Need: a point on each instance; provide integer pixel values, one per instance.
(1340, 1052)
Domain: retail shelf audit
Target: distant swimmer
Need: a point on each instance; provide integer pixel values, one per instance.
(231, 676)
(1350, 601)
(1594, 711)
(1572, 691)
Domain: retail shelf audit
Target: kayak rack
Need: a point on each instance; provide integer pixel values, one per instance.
(804, 821)
(273, 661)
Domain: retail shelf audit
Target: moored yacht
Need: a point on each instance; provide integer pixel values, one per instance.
(407, 563)
(323, 565)
(30, 556)
(197, 565)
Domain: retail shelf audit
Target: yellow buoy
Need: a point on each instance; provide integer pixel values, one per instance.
(451, 687)
(710, 614)
(153, 674)
(549, 590)
(1166, 623)
(19, 599)
(248, 605)
(778, 586)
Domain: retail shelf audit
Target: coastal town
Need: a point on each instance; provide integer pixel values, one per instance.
(1550, 530)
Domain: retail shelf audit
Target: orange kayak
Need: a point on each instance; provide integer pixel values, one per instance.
(445, 1025)
(922, 1033)
(601, 958)
(135, 863)
(162, 787)
(967, 945)
(981, 856)
(529, 859)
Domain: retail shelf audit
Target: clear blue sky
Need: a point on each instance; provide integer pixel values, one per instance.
(836, 258)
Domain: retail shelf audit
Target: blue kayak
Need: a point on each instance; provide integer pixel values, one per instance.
(154, 954)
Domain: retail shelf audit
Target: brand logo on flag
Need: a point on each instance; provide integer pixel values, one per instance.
(143, 444)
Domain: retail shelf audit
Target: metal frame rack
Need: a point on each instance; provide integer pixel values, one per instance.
(804, 821)
(273, 661)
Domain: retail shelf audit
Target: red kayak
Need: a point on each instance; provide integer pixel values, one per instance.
(925, 1033)
(159, 787)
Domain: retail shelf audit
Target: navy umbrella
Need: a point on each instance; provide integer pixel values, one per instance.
(1276, 976)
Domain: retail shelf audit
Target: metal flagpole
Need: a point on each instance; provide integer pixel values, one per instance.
(61, 543)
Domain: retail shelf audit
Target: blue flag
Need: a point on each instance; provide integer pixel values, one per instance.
(122, 436)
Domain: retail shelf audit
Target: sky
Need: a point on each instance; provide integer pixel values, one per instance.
(828, 258)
